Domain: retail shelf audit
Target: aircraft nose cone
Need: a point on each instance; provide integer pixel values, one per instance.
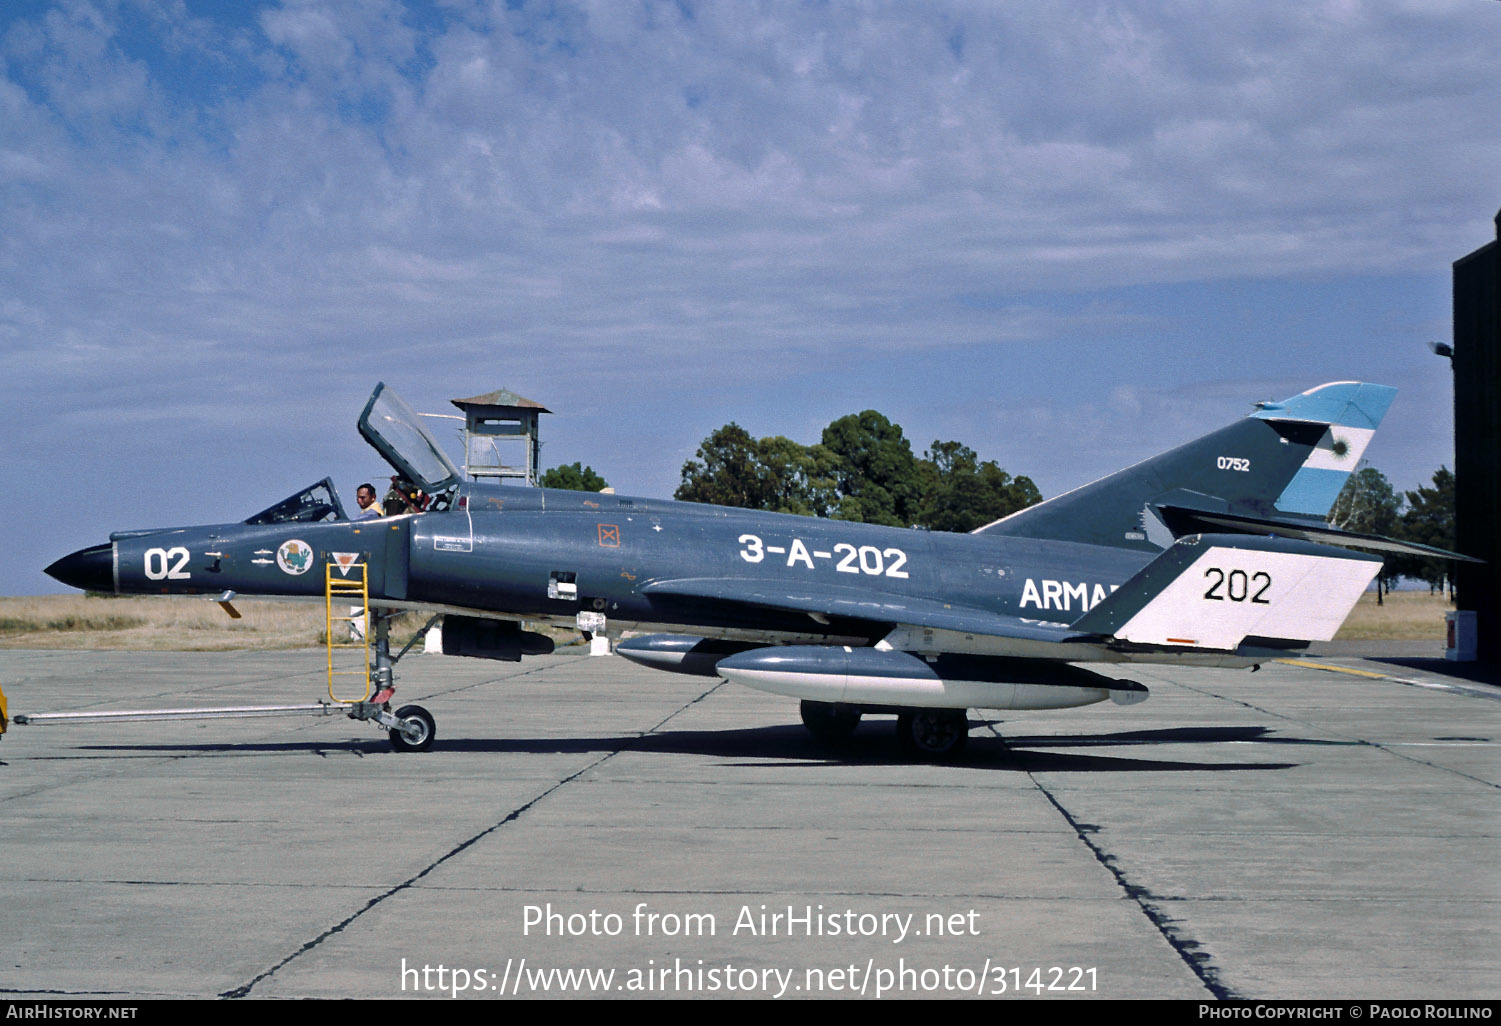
(90, 569)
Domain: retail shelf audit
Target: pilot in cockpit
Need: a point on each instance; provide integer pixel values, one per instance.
(369, 508)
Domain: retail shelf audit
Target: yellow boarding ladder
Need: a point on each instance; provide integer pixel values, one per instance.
(350, 585)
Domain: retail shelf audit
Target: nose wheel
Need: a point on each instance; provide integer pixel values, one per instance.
(414, 729)
(410, 728)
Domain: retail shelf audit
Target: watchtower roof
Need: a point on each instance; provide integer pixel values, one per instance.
(501, 397)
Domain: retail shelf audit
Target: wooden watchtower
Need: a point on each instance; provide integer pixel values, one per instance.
(500, 436)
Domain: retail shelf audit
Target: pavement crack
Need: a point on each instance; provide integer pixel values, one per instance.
(1350, 738)
(1198, 960)
(244, 989)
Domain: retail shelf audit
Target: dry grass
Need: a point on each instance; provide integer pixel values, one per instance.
(147, 623)
(1402, 616)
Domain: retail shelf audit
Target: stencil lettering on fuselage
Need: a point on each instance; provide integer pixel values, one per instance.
(845, 558)
(1067, 596)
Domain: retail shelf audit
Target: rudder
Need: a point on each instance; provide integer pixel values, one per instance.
(1349, 412)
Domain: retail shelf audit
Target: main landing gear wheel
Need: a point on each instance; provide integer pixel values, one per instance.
(829, 721)
(426, 730)
(938, 734)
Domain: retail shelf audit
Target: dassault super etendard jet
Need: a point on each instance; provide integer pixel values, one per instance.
(1216, 553)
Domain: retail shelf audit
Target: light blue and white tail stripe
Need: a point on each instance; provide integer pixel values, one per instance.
(1353, 410)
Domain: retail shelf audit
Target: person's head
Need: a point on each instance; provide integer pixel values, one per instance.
(365, 495)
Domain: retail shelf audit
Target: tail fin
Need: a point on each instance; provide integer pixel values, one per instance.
(1284, 464)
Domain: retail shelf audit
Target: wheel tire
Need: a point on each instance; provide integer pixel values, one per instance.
(937, 734)
(829, 721)
(424, 741)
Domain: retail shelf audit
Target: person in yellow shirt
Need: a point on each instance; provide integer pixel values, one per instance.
(369, 508)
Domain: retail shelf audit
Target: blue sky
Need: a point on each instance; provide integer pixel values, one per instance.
(1068, 234)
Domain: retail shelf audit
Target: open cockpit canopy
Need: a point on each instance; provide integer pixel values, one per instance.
(396, 431)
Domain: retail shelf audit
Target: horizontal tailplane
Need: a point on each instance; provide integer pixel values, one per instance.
(1219, 592)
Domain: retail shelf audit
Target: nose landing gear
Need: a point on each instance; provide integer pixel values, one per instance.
(414, 729)
(411, 728)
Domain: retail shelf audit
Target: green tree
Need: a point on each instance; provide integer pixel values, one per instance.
(959, 493)
(726, 471)
(797, 478)
(575, 478)
(862, 470)
(876, 478)
(1429, 520)
(777, 474)
(1368, 504)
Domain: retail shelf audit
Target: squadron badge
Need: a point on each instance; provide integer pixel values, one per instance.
(295, 556)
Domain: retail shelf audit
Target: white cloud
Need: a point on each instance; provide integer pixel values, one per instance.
(655, 193)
